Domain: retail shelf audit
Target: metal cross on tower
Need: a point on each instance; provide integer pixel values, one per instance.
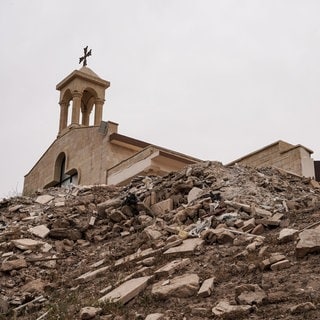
(85, 56)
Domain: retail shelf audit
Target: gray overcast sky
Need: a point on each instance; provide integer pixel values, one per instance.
(213, 79)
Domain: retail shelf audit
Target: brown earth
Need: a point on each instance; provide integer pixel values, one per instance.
(230, 217)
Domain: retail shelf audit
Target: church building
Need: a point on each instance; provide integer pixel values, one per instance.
(89, 154)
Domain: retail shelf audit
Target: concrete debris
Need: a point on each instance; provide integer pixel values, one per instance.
(207, 230)
(181, 287)
(89, 313)
(126, 291)
(309, 242)
(224, 309)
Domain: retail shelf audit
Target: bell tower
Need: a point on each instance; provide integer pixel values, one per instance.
(81, 92)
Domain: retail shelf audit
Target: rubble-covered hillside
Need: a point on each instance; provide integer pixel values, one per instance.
(208, 242)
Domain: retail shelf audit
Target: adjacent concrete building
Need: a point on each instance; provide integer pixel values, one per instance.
(280, 154)
(95, 153)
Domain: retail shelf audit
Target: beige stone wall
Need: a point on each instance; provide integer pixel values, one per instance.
(86, 149)
(282, 155)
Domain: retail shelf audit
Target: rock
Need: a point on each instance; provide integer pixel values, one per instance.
(44, 199)
(182, 287)
(34, 286)
(116, 216)
(287, 235)
(259, 229)
(187, 246)
(90, 275)
(101, 207)
(284, 264)
(13, 264)
(224, 308)
(151, 233)
(225, 236)
(27, 244)
(250, 294)
(309, 242)
(126, 291)
(302, 308)
(162, 207)
(276, 257)
(248, 225)
(40, 231)
(172, 267)
(154, 316)
(193, 194)
(89, 312)
(206, 288)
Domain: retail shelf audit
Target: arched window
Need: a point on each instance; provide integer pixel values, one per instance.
(64, 178)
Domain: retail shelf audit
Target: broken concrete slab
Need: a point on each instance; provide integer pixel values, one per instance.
(309, 242)
(224, 308)
(162, 207)
(126, 291)
(137, 256)
(40, 231)
(284, 264)
(187, 246)
(172, 267)
(250, 294)
(44, 199)
(27, 244)
(302, 308)
(90, 275)
(193, 194)
(154, 316)
(13, 264)
(206, 288)
(183, 286)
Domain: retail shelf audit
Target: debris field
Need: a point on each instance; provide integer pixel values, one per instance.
(207, 242)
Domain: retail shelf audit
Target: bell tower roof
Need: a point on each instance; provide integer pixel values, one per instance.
(85, 74)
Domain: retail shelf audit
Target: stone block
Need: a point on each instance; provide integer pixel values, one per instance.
(287, 235)
(206, 288)
(27, 244)
(162, 207)
(181, 287)
(248, 225)
(154, 316)
(259, 229)
(302, 308)
(44, 199)
(40, 231)
(193, 194)
(90, 275)
(13, 264)
(172, 267)
(250, 294)
(224, 309)
(187, 246)
(309, 242)
(126, 291)
(283, 264)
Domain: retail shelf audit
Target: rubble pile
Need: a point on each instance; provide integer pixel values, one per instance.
(208, 242)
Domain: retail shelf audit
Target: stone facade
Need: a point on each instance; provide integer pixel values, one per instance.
(293, 158)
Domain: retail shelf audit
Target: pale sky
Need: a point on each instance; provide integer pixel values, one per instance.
(212, 79)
